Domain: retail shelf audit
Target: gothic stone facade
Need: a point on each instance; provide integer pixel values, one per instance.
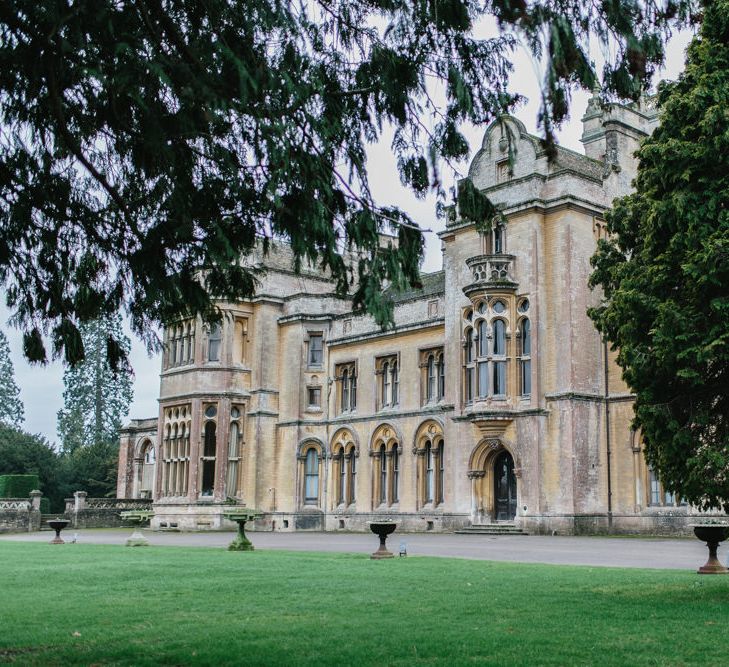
(492, 399)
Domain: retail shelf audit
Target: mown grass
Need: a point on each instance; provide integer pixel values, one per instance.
(108, 605)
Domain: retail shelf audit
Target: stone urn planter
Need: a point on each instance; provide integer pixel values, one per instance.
(382, 529)
(712, 534)
(241, 516)
(137, 518)
(58, 525)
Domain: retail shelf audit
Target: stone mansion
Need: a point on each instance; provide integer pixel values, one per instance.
(493, 398)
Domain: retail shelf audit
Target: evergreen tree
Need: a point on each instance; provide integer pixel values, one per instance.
(665, 276)
(22, 453)
(11, 407)
(148, 146)
(96, 398)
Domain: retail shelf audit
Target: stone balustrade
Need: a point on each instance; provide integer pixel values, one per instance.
(491, 272)
(85, 512)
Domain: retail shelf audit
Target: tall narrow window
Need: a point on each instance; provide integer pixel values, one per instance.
(441, 377)
(352, 390)
(311, 478)
(499, 338)
(181, 359)
(441, 472)
(208, 462)
(173, 346)
(383, 475)
(395, 371)
(214, 340)
(352, 491)
(468, 361)
(483, 379)
(345, 390)
(395, 474)
(431, 378)
(385, 384)
(482, 339)
(342, 492)
(316, 349)
(498, 239)
(499, 384)
(429, 474)
(525, 362)
(231, 482)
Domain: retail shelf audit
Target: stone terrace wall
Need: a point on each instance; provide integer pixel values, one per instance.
(20, 514)
(85, 512)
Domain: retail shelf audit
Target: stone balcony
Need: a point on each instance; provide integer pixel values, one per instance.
(491, 272)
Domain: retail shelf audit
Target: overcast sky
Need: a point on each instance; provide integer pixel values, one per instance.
(41, 388)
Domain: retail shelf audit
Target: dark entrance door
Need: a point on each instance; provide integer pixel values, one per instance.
(504, 487)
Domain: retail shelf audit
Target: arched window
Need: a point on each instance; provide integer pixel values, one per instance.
(234, 436)
(342, 490)
(395, 474)
(482, 339)
(345, 390)
(175, 452)
(146, 473)
(430, 395)
(441, 472)
(429, 474)
(352, 491)
(386, 383)
(383, 474)
(499, 384)
(525, 363)
(429, 464)
(468, 370)
(497, 239)
(441, 377)
(208, 459)
(214, 340)
(395, 383)
(311, 478)
(499, 337)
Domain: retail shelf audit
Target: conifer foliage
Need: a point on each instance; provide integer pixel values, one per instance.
(12, 412)
(96, 398)
(665, 276)
(148, 144)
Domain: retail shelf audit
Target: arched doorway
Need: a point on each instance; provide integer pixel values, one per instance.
(504, 487)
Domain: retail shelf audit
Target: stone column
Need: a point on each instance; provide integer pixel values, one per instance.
(34, 520)
(79, 505)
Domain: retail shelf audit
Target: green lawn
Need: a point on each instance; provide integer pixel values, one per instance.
(84, 604)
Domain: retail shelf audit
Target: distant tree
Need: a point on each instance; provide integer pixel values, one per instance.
(665, 276)
(91, 468)
(96, 398)
(148, 146)
(22, 453)
(11, 407)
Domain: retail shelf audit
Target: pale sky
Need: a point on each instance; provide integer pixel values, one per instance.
(41, 388)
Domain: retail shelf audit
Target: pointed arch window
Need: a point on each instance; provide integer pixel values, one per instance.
(387, 376)
(468, 369)
(441, 377)
(383, 474)
(430, 395)
(214, 342)
(429, 474)
(525, 361)
(311, 477)
(209, 456)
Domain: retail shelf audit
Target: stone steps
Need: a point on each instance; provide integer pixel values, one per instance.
(491, 529)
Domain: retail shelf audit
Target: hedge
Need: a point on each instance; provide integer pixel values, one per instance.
(18, 486)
